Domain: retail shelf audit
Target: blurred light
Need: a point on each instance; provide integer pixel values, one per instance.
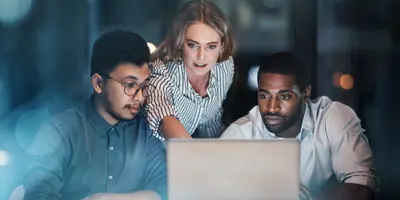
(11, 11)
(4, 158)
(246, 15)
(346, 81)
(152, 47)
(252, 79)
(336, 79)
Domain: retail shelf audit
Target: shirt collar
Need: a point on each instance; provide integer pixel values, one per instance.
(308, 123)
(307, 126)
(98, 123)
(213, 77)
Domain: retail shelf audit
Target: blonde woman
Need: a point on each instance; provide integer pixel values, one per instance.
(193, 70)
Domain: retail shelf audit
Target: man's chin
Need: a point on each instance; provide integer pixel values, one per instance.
(273, 130)
(129, 117)
(276, 129)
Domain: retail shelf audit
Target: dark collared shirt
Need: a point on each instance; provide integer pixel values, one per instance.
(77, 154)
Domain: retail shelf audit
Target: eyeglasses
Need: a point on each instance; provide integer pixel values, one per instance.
(131, 89)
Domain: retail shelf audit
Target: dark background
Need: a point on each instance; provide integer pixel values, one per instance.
(45, 47)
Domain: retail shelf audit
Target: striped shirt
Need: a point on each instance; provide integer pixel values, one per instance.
(174, 96)
(332, 142)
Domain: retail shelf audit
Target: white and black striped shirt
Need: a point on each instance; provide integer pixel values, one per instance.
(174, 96)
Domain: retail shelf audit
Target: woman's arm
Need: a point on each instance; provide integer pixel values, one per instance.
(160, 108)
(171, 127)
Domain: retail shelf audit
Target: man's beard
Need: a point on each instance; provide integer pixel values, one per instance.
(109, 107)
(287, 121)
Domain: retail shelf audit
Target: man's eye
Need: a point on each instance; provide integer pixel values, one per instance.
(285, 97)
(263, 96)
(130, 85)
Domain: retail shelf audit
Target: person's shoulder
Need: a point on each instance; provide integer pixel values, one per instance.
(160, 67)
(226, 66)
(157, 65)
(324, 107)
(228, 62)
(247, 120)
(67, 120)
(320, 103)
(59, 130)
(243, 121)
(146, 135)
(334, 116)
(161, 74)
(240, 128)
(224, 72)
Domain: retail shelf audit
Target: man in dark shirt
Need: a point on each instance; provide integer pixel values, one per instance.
(103, 149)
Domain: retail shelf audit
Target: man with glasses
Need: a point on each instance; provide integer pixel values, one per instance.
(103, 149)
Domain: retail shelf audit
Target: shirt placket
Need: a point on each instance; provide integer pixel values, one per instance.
(111, 158)
(203, 116)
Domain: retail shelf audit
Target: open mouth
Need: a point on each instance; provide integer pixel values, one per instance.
(200, 65)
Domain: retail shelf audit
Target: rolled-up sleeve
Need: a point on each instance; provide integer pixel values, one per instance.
(160, 102)
(48, 154)
(352, 158)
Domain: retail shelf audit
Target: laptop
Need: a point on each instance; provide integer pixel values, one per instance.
(215, 169)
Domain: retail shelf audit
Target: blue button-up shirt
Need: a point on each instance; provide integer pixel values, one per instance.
(77, 154)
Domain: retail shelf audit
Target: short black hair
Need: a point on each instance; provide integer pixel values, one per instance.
(286, 63)
(117, 47)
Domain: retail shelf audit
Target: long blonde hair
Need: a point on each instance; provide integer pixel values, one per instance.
(195, 11)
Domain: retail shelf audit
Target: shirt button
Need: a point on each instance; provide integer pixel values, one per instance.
(110, 177)
(111, 148)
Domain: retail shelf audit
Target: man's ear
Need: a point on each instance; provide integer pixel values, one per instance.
(97, 83)
(306, 94)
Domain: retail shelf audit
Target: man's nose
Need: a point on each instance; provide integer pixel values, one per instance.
(273, 105)
(139, 95)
